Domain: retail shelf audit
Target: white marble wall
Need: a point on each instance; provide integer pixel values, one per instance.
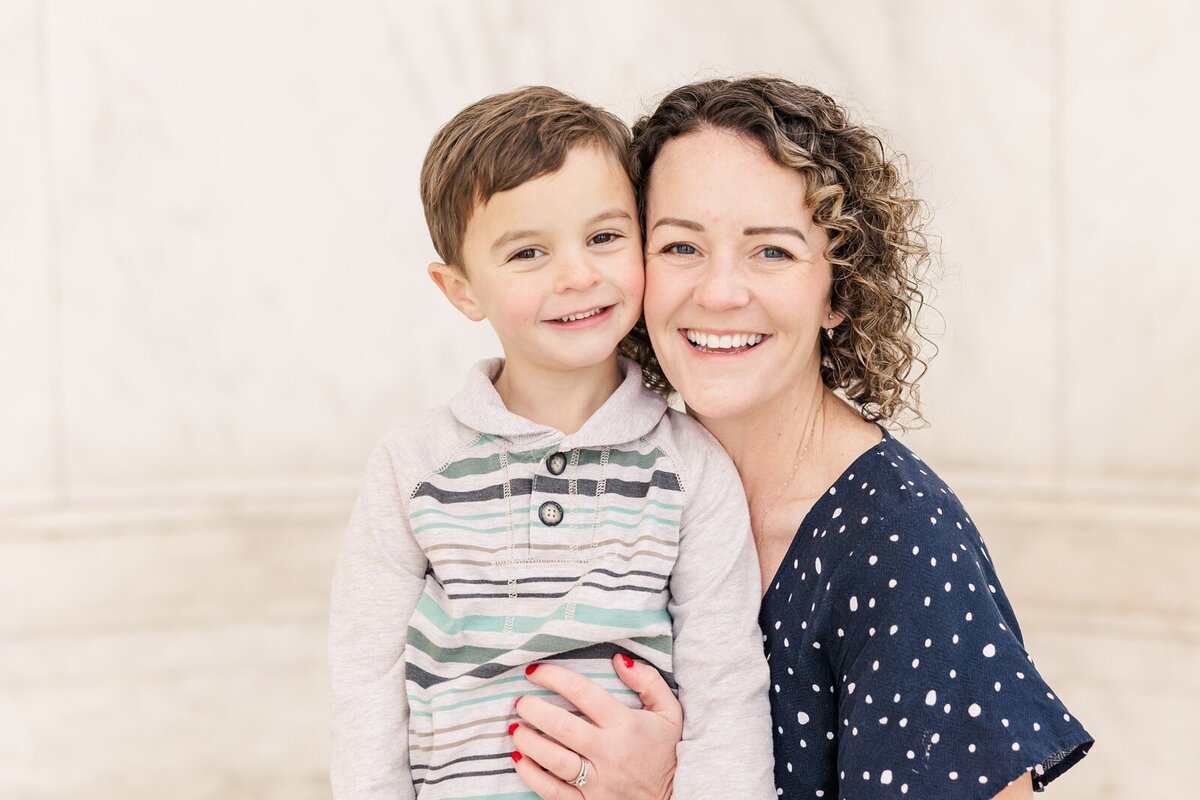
(213, 301)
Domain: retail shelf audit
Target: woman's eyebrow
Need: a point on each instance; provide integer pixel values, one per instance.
(678, 223)
(786, 230)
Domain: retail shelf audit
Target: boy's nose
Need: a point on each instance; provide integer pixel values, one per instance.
(576, 274)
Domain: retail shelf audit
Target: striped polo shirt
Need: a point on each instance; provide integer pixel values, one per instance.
(495, 542)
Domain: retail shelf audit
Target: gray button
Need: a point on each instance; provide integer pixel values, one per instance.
(550, 513)
(556, 463)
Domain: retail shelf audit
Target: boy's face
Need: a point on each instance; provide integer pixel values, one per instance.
(555, 265)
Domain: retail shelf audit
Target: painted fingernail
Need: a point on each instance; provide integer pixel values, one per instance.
(530, 669)
(513, 727)
(516, 756)
(628, 661)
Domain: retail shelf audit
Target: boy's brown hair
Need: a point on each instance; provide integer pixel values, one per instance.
(499, 143)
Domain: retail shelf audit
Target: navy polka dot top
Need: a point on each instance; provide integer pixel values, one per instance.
(897, 667)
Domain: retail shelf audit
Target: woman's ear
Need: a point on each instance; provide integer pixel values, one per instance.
(457, 288)
(833, 319)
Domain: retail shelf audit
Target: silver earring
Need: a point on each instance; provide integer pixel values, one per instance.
(829, 333)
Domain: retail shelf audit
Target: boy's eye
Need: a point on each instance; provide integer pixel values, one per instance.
(680, 249)
(525, 255)
(605, 237)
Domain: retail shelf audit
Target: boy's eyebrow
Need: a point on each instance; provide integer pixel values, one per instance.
(512, 236)
(784, 229)
(612, 213)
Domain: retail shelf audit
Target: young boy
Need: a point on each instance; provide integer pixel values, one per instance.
(556, 509)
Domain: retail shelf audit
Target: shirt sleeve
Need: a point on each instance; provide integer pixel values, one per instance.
(376, 585)
(726, 750)
(937, 695)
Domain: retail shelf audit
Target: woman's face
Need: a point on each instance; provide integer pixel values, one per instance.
(737, 284)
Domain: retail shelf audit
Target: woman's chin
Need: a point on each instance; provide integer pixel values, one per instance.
(716, 400)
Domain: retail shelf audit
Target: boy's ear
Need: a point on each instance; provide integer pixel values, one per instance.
(457, 289)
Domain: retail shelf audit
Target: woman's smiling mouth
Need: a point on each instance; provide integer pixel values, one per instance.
(722, 342)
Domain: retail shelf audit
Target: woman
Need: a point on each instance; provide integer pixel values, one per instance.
(781, 261)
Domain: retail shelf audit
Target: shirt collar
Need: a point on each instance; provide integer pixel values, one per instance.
(630, 412)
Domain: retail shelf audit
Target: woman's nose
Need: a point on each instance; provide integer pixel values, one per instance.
(576, 273)
(721, 287)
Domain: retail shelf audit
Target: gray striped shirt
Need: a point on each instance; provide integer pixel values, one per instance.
(483, 542)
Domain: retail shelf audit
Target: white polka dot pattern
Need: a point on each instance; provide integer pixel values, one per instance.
(878, 638)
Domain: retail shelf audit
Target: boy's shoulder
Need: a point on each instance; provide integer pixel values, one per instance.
(690, 446)
(687, 431)
(424, 443)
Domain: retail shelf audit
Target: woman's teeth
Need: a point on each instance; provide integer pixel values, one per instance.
(582, 315)
(712, 341)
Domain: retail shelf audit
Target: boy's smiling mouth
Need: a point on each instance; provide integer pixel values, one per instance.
(584, 318)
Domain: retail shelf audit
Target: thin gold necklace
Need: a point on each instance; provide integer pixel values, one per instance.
(801, 452)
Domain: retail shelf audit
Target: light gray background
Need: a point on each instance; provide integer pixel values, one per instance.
(213, 301)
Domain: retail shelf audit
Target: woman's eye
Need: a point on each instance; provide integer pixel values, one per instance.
(605, 238)
(680, 249)
(775, 253)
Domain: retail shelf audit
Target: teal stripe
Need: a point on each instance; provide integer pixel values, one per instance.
(623, 458)
(660, 643)
(539, 643)
(596, 676)
(481, 466)
(509, 796)
(454, 655)
(507, 695)
(629, 619)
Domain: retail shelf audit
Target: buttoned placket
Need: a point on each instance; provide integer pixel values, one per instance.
(551, 518)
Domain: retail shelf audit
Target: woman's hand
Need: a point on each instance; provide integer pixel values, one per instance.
(632, 752)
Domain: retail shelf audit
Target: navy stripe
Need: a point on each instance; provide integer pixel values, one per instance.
(600, 586)
(585, 487)
(640, 572)
(456, 776)
(505, 754)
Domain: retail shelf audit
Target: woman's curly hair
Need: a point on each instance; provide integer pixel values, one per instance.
(859, 196)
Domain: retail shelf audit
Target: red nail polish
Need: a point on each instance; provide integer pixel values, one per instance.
(513, 727)
(628, 661)
(529, 670)
(516, 756)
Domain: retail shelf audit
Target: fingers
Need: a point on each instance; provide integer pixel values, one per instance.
(543, 783)
(651, 688)
(552, 757)
(557, 723)
(600, 707)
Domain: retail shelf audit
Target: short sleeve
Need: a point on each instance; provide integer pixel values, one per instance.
(937, 694)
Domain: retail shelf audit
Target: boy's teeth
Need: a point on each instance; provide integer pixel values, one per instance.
(583, 315)
(712, 341)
